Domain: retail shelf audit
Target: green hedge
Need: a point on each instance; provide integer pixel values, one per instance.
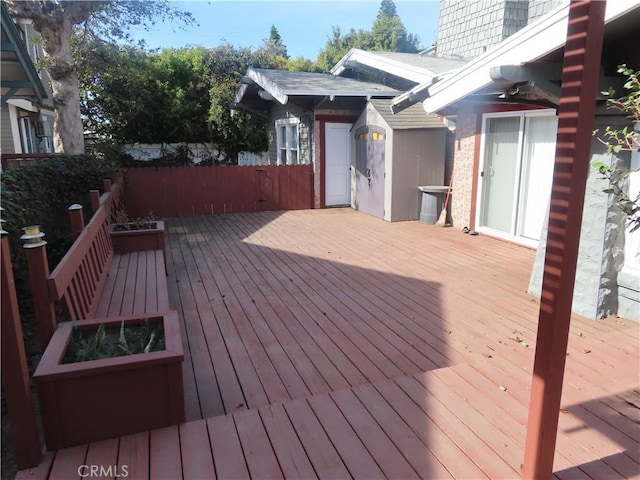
(40, 194)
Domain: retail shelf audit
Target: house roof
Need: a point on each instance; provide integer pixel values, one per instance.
(281, 85)
(541, 43)
(410, 66)
(19, 78)
(413, 117)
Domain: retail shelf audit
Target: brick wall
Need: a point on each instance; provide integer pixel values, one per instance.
(464, 151)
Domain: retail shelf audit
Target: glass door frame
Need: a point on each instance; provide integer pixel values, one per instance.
(512, 235)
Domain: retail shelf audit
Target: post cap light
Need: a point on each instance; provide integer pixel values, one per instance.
(32, 237)
(2, 222)
(75, 206)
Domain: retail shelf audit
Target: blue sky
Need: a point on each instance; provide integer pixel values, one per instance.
(304, 26)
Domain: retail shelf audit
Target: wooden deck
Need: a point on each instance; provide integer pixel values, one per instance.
(327, 343)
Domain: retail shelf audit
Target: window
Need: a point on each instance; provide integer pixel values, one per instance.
(26, 135)
(287, 142)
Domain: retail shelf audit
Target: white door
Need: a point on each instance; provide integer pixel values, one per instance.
(337, 189)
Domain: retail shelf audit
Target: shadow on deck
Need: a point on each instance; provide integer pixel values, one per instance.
(330, 344)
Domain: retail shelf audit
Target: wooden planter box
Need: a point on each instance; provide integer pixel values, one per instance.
(127, 241)
(89, 401)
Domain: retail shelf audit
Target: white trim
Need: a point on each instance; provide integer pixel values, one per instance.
(394, 67)
(268, 85)
(513, 236)
(527, 45)
(23, 104)
(15, 128)
(287, 122)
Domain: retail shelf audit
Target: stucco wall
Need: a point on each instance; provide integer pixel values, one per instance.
(601, 250)
(464, 151)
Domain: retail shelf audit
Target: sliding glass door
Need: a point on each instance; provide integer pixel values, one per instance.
(515, 174)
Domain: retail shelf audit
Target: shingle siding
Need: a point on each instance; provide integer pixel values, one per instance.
(289, 111)
(467, 28)
(7, 138)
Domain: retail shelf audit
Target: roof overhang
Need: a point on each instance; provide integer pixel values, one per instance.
(356, 57)
(19, 78)
(259, 89)
(512, 60)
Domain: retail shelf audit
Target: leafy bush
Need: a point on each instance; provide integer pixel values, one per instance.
(623, 139)
(40, 194)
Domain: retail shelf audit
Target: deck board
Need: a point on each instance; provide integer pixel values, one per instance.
(195, 450)
(329, 344)
(165, 461)
(134, 454)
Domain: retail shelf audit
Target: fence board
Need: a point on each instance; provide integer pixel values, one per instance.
(186, 191)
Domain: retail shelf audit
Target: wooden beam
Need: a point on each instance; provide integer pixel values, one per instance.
(580, 76)
(15, 374)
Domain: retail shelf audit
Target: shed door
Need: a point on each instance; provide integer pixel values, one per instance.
(370, 147)
(337, 190)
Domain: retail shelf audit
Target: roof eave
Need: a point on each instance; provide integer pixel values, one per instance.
(22, 55)
(370, 59)
(528, 45)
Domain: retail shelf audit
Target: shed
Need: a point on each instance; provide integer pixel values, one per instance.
(392, 155)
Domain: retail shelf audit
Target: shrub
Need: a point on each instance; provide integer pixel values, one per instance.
(40, 194)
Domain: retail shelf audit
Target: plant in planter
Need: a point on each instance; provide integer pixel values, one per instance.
(104, 378)
(137, 234)
(103, 342)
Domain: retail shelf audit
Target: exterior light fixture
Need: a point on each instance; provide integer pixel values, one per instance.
(33, 237)
(2, 222)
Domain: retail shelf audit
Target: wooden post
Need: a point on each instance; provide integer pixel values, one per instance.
(107, 184)
(38, 265)
(15, 374)
(580, 77)
(95, 200)
(77, 219)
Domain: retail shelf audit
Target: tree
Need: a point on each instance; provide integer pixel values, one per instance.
(65, 26)
(274, 45)
(387, 34)
(137, 96)
(388, 8)
(173, 96)
(338, 45)
(238, 132)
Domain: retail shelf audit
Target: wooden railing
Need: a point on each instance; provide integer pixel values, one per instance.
(112, 199)
(77, 280)
(79, 277)
(10, 160)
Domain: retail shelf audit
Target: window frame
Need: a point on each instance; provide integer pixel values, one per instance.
(513, 235)
(287, 146)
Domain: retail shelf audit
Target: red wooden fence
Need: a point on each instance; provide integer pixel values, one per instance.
(10, 160)
(176, 191)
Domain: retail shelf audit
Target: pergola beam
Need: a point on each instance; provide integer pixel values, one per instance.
(580, 75)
